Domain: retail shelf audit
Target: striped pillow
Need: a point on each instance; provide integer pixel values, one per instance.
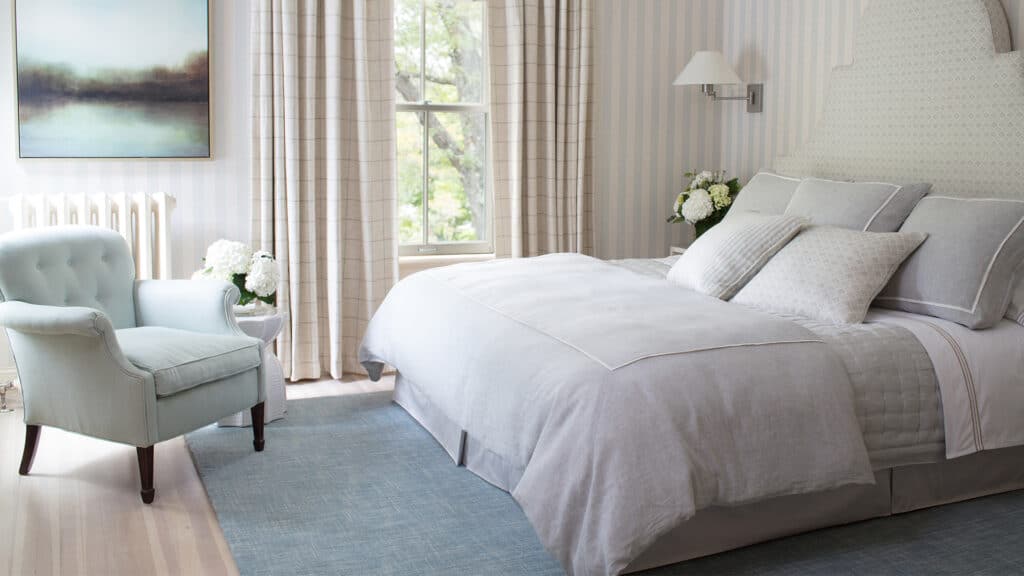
(728, 255)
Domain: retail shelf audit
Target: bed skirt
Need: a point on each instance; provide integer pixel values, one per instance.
(713, 530)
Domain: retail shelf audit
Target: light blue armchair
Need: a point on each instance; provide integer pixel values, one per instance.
(101, 354)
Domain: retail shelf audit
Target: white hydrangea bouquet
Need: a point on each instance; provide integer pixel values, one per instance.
(255, 273)
(705, 200)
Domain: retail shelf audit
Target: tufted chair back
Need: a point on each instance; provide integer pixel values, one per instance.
(70, 266)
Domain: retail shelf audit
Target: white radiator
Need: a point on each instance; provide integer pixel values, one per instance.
(143, 219)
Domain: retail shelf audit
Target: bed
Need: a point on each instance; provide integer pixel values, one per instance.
(631, 443)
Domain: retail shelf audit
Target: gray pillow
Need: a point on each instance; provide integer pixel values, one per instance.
(966, 270)
(767, 192)
(829, 273)
(1016, 310)
(869, 206)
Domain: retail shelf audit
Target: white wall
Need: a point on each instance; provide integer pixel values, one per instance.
(649, 132)
(212, 195)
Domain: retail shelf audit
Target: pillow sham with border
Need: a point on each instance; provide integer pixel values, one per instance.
(728, 255)
(868, 206)
(767, 192)
(1016, 310)
(829, 273)
(967, 270)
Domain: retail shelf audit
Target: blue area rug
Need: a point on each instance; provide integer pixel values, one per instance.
(353, 485)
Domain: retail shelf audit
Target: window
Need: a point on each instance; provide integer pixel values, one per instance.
(441, 122)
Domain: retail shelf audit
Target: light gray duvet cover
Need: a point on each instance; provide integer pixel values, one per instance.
(619, 403)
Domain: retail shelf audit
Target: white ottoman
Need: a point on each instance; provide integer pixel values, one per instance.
(266, 327)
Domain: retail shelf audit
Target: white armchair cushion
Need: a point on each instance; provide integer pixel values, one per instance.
(728, 255)
(180, 360)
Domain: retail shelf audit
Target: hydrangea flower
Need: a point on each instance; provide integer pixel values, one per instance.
(210, 273)
(263, 276)
(698, 206)
(227, 257)
(720, 195)
(679, 204)
(255, 274)
(701, 180)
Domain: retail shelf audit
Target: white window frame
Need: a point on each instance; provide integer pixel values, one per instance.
(425, 247)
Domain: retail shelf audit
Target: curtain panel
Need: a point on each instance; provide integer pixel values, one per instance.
(323, 165)
(541, 59)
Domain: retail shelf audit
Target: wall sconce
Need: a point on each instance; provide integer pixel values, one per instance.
(707, 68)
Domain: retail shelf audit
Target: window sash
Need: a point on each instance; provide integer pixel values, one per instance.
(426, 246)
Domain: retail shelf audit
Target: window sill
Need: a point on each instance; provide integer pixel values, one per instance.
(410, 264)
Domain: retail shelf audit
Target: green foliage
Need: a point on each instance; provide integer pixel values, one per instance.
(453, 72)
(249, 297)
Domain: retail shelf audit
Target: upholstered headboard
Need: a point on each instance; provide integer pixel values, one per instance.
(934, 94)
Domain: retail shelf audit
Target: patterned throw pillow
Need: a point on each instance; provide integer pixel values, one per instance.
(725, 257)
(830, 274)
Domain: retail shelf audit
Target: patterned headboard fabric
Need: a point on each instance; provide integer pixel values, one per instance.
(933, 95)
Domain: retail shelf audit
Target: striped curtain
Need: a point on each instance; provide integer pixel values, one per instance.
(323, 165)
(540, 78)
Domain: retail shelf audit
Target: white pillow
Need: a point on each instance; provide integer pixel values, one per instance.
(830, 274)
(725, 257)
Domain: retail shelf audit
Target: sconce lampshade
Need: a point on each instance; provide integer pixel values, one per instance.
(707, 67)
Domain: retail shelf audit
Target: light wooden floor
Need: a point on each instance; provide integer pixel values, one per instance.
(79, 511)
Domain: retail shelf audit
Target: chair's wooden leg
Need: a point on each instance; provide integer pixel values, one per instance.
(146, 473)
(29, 454)
(257, 426)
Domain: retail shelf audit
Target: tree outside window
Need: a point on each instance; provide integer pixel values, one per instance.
(441, 121)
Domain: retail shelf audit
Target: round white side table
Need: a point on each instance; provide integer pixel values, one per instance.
(266, 327)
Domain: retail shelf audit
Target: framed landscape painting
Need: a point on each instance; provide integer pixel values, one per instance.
(113, 78)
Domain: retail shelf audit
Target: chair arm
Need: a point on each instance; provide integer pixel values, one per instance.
(75, 376)
(54, 320)
(194, 305)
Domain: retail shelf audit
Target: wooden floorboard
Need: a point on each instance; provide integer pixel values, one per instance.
(79, 511)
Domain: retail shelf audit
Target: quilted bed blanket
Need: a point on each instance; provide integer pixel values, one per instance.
(613, 406)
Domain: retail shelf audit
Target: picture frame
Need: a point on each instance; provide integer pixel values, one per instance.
(79, 95)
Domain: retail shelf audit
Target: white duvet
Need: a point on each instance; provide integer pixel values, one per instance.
(618, 405)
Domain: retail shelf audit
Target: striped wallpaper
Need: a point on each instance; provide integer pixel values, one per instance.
(213, 195)
(649, 132)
